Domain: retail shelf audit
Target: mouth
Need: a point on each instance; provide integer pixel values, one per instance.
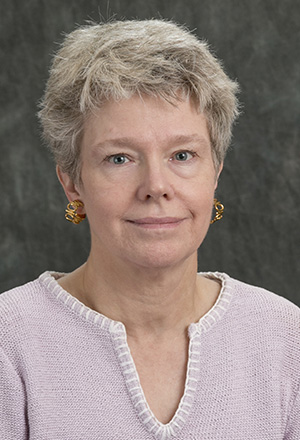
(157, 222)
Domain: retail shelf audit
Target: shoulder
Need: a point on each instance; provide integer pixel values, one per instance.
(21, 303)
(251, 304)
(264, 304)
(268, 320)
(28, 316)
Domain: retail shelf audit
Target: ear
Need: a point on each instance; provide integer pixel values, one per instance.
(71, 190)
(218, 174)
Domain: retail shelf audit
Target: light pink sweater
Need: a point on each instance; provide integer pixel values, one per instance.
(66, 372)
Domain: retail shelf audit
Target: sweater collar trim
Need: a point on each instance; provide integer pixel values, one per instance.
(49, 280)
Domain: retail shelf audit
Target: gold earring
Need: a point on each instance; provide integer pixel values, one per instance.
(219, 211)
(71, 212)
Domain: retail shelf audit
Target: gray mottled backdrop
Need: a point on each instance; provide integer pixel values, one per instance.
(259, 43)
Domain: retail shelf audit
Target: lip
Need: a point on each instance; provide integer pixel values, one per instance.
(157, 222)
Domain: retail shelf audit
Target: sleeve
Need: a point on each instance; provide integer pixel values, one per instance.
(13, 424)
(293, 426)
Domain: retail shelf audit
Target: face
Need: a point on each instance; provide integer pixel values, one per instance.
(148, 181)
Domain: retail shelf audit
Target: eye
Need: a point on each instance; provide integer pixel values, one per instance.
(183, 156)
(117, 159)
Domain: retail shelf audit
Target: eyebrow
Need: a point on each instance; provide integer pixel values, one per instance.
(132, 142)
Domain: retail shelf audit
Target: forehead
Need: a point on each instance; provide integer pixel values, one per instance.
(145, 119)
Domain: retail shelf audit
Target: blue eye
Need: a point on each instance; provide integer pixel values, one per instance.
(182, 156)
(118, 159)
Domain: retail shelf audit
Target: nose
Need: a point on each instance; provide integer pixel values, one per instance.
(155, 182)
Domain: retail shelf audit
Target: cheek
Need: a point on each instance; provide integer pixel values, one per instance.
(105, 201)
(201, 192)
(199, 201)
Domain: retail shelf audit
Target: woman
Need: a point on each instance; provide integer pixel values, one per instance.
(135, 344)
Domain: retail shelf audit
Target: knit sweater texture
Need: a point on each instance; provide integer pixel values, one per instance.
(66, 372)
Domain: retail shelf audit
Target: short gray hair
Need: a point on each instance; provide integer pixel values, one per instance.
(119, 59)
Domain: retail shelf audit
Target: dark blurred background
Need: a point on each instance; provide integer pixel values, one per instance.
(258, 240)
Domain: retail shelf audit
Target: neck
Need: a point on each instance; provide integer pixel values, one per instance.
(152, 303)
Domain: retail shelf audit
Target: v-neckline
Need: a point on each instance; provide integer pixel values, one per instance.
(148, 419)
(158, 430)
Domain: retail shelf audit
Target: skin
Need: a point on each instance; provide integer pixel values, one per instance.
(147, 184)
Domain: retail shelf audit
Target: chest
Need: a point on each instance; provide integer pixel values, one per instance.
(162, 375)
(107, 386)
